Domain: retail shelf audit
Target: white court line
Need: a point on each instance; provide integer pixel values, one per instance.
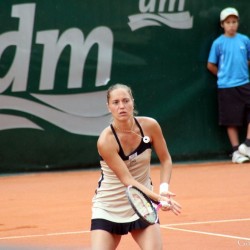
(206, 233)
(167, 226)
(207, 222)
(42, 235)
(172, 227)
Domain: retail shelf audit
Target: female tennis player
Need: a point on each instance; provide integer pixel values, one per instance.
(125, 150)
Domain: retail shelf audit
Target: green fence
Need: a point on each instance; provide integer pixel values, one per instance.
(57, 59)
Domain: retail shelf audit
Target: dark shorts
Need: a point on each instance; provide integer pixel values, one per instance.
(117, 228)
(234, 105)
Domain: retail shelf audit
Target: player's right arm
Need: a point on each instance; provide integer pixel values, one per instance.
(108, 149)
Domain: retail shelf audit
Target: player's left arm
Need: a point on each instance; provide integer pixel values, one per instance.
(161, 149)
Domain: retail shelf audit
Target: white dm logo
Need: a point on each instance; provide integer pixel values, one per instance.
(175, 17)
(81, 113)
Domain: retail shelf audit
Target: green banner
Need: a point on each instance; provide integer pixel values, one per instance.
(57, 59)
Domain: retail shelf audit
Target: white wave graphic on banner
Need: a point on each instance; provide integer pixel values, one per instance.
(85, 104)
(12, 122)
(181, 20)
(77, 124)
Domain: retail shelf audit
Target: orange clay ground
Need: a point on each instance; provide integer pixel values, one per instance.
(53, 210)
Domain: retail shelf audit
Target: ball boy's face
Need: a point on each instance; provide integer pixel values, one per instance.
(230, 25)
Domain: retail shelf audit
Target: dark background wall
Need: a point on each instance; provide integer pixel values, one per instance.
(57, 59)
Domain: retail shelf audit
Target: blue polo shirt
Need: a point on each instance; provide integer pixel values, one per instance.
(231, 54)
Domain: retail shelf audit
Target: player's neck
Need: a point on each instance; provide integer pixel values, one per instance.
(125, 127)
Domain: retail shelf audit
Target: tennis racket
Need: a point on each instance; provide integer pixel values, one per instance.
(143, 205)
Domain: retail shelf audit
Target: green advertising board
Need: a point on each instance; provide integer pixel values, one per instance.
(57, 59)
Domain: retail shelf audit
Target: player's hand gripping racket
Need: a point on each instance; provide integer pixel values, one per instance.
(143, 206)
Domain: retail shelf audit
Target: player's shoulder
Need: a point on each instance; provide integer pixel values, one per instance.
(105, 136)
(146, 119)
(147, 122)
(106, 142)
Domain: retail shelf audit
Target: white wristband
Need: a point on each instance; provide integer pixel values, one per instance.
(164, 187)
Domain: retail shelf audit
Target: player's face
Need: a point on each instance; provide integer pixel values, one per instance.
(121, 104)
(230, 25)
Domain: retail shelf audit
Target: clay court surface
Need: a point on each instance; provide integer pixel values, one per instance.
(52, 210)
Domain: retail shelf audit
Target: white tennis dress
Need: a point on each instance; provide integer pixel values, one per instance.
(110, 201)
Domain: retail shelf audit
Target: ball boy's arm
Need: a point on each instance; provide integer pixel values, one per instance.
(212, 68)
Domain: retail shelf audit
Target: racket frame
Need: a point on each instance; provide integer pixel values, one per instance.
(149, 202)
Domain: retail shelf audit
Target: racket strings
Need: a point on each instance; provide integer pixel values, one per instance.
(143, 206)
